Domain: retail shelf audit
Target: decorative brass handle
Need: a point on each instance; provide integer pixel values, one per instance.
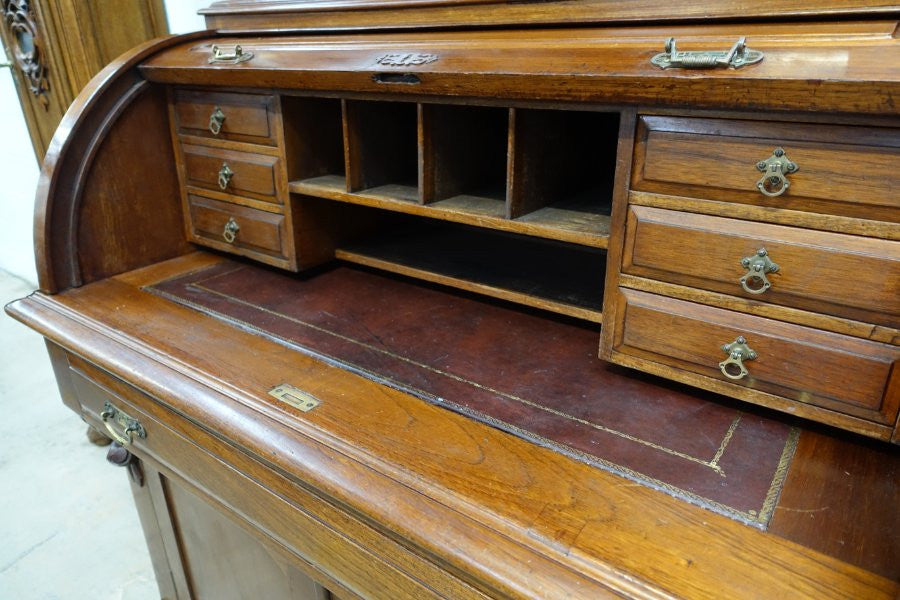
(225, 175)
(216, 119)
(738, 351)
(237, 55)
(738, 56)
(130, 426)
(231, 230)
(773, 182)
(757, 267)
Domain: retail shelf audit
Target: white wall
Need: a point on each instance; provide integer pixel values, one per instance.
(19, 176)
(182, 15)
(18, 166)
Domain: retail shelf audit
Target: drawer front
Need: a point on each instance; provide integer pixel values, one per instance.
(231, 172)
(238, 117)
(258, 233)
(842, 275)
(845, 374)
(841, 170)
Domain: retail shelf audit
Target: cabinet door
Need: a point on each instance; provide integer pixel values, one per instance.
(200, 553)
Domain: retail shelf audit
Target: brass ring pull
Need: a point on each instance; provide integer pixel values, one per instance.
(130, 426)
(775, 168)
(231, 230)
(216, 119)
(758, 266)
(738, 351)
(225, 175)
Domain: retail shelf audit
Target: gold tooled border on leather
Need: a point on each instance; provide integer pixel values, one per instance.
(757, 518)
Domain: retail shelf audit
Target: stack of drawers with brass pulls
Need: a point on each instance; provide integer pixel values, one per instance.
(761, 260)
(231, 167)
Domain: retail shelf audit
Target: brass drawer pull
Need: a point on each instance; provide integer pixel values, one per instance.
(225, 175)
(231, 230)
(738, 351)
(130, 426)
(773, 182)
(757, 267)
(237, 55)
(216, 119)
(738, 56)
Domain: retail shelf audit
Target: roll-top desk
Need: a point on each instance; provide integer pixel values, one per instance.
(468, 299)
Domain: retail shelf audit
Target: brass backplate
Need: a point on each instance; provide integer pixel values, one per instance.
(295, 397)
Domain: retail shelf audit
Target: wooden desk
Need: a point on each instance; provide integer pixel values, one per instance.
(423, 237)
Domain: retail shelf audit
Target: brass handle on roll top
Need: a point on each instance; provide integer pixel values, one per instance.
(736, 57)
(234, 56)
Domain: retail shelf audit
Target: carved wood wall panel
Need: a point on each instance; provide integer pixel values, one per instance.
(56, 47)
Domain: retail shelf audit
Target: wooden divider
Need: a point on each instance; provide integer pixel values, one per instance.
(539, 173)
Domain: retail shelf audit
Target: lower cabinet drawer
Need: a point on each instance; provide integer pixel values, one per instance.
(239, 229)
(848, 375)
(842, 275)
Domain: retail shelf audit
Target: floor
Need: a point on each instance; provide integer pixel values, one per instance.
(68, 527)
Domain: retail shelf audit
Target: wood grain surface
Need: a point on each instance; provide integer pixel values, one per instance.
(66, 171)
(818, 67)
(539, 502)
(823, 272)
(247, 117)
(253, 174)
(841, 170)
(691, 337)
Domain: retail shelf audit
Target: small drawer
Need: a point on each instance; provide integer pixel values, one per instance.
(238, 117)
(239, 229)
(842, 275)
(841, 373)
(841, 170)
(231, 172)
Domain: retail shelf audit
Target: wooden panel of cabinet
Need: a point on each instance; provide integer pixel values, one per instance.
(839, 170)
(225, 116)
(239, 229)
(199, 551)
(818, 271)
(800, 363)
(241, 173)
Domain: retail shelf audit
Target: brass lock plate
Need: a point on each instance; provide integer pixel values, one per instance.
(294, 396)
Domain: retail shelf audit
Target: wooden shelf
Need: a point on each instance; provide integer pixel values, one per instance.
(555, 222)
(557, 277)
